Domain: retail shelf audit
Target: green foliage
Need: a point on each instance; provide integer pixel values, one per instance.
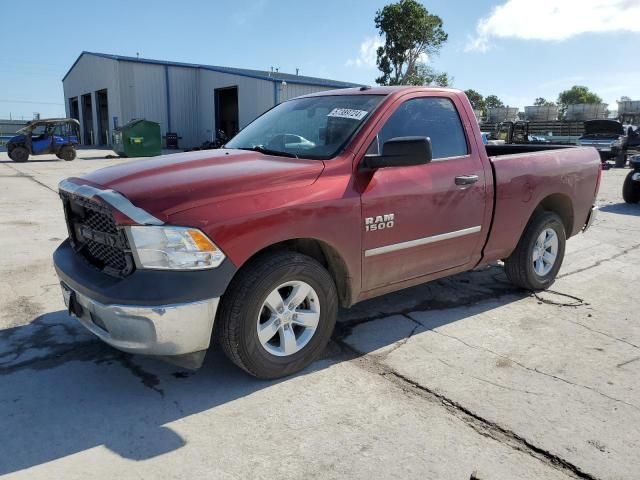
(477, 100)
(576, 94)
(543, 102)
(425, 75)
(410, 32)
(492, 101)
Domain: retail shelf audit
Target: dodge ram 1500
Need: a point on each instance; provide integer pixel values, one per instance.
(323, 201)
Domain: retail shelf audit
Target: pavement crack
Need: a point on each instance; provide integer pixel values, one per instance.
(32, 178)
(536, 370)
(344, 328)
(600, 332)
(600, 262)
(400, 343)
(628, 362)
(490, 429)
(481, 425)
(504, 387)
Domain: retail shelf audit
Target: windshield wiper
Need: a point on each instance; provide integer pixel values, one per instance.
(268, 151)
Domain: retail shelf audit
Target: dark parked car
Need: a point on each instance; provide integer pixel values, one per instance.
(631, 187)
(608, 137)
(633, 139)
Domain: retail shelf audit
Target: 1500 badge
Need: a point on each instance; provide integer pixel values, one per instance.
(381, 222)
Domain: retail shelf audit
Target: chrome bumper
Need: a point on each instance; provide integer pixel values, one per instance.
(593, 214)
(165, 330)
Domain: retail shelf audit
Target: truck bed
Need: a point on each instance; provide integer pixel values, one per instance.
(527, 175)
(511, 149)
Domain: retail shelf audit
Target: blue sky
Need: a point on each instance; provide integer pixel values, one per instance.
(516, 49)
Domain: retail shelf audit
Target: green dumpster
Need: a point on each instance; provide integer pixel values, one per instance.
(138, 138)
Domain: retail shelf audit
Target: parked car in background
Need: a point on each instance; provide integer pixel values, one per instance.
(537, 139)
(323, 201)
(633, 139)
(608, 137)
(631, 186)
(57, 136)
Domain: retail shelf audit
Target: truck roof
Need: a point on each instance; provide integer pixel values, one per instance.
(387, 90)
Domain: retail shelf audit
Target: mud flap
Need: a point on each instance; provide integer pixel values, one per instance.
(190, 361)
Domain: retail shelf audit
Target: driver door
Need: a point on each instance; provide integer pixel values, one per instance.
(43, 143)
(419, 220)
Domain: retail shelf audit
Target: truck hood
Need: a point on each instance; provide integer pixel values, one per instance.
(173, 183)
(604, 127)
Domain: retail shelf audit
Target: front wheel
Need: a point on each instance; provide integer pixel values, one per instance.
(277, 315)
(19, 154)
(535, 262)
(631, 189)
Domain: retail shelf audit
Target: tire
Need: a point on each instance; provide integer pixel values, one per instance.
(19, 154)
(631, 189)
(519, 267)
(67, 153)
(244, 309)
(621, 160)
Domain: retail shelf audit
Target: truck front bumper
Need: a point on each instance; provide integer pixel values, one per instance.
(152, 312)
(164, 330)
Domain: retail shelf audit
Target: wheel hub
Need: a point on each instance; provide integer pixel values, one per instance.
(545, 252)
(288, 318)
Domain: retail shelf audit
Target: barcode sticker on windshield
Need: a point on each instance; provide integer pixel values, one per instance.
(348, 113)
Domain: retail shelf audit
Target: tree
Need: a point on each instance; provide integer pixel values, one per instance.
(492, 101)
(576, 94)
(411, 33)
(543, 102)
(624, 98)
(477, 100)
(425, 75)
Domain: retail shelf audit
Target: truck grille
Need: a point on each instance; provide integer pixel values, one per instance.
(94, 235)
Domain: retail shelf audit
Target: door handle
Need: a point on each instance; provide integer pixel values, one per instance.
(466, 179)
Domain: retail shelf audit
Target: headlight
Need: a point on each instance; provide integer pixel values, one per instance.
(173, 248)
(617, 143)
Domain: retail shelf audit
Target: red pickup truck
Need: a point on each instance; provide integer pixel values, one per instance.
(323, 201)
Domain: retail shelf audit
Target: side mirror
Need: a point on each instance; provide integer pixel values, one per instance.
(401, 152)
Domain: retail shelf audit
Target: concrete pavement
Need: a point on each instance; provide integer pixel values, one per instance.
(462, 375)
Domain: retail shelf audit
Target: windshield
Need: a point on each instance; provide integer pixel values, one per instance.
(314, 127)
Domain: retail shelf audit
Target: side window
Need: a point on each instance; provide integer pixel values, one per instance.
(433, 117)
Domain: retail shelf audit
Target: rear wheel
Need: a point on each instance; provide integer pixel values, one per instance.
(535, 262)
(631, 189)
(19, 154)
(277, 315)
(67, 153)
(621, 160)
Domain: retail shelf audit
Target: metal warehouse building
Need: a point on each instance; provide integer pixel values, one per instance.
(104, 91)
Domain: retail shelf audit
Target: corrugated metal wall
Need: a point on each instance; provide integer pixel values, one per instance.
(90, 74)
(293, 90)
(183, 92)
(139, 90)
(255, 96)
(143, 93)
